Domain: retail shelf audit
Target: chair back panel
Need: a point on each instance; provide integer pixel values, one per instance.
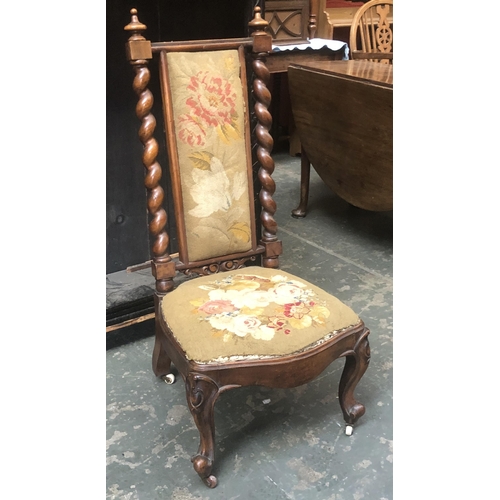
(206, 114)
(372, 27)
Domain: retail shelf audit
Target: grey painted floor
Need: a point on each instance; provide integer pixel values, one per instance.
(272, 444)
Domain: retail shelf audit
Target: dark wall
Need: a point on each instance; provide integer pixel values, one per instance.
(126, 216)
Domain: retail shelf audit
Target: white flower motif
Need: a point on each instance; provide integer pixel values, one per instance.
(221, 321)
(243, 285)
(252, 299)
(212, 189)
(221, 294)
(284, 293)
(263, 333)
(241, 325)
(278, 277)
(244, 324)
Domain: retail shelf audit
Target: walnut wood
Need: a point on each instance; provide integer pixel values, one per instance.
(201, 394)
(343, 114)
(198, 45)
(355, 366)
(160, 360)
(204, 382)
(262, 97)
(250, 255)
(305, 175)
(158, 216)
(173, 159)
(217, 267)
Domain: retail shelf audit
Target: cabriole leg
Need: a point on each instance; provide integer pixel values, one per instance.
(356, 364)
(201, 393)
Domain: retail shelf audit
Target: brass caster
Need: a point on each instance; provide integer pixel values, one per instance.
(168, 379)
(348, 430)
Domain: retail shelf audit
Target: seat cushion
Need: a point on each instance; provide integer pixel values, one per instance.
(250, 313)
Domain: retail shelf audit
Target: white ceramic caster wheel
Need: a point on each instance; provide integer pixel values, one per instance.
(348, 430)
(169, 379)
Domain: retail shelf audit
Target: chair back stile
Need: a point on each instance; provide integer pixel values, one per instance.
(139, 52)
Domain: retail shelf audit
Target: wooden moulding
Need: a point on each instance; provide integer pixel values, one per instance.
(196, 45)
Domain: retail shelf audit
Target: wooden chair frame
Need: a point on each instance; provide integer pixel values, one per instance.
(206, 382)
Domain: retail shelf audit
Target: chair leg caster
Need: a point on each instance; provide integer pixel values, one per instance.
(210, 481)
(348, 430)
(168, 379)
(203, 466)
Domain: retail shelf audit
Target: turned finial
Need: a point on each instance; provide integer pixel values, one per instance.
(262, 40)
(257, 23)
(135, 26)
(137, 47)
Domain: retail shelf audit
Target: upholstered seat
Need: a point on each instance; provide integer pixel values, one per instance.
(252, 313)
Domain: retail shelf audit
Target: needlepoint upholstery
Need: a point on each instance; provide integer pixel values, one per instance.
(252, 312)
(208, 108)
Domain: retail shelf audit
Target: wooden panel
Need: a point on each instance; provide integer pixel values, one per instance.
(288, 20)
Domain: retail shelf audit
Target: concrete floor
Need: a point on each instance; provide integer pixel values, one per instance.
(271, 444)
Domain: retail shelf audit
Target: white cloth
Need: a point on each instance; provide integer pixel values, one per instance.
(315, 44)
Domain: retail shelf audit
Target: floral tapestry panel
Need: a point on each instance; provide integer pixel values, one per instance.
(252, 312)
(208, 106)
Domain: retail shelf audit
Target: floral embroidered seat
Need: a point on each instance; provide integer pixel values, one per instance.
(252, 313)
(237, 323)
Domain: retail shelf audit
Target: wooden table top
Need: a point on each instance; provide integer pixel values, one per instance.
(368, 71)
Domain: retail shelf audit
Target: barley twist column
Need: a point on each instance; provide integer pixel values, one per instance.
(262, 44)
(139, 51)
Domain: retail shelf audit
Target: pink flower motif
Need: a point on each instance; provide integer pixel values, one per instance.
(296, 310)
(276, 322)
(213, 99)
(190, 131)
(217, 307)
